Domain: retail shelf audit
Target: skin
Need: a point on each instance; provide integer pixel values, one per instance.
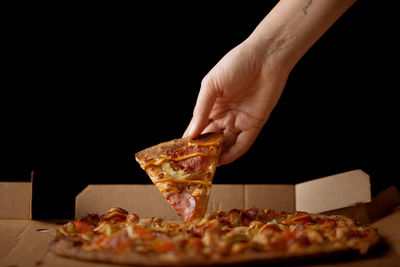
(239, 93)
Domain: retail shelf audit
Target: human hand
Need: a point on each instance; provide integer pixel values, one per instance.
(237, 97)
(239, 93)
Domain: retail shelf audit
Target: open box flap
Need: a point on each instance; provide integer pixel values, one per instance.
(146, 200)
(273, 196)
(381, 205)
(319, 195)
(25, 244)
(240, 196)
(16, 200)
(343, 194)
(333, 192)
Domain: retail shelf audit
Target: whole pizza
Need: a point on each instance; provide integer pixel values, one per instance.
(223, 237)
(183, 171)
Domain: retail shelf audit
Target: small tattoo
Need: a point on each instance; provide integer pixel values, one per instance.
(308, 4)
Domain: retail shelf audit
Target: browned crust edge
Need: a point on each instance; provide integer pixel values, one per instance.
(169, 146)
(66, 249)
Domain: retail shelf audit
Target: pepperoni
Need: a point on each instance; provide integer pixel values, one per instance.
(191, 165)
(82, 227)
(183, 203)
(164, 246)
(195, 242)
(145, 234)
(288, 235)
(118, 242)
(189, 150)
(273, 214)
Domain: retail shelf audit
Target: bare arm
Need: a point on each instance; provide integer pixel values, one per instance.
(293, 26)
(239, 93)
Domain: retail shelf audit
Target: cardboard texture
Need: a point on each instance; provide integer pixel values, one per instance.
(15, 200)
(348, 189)
(333, 192)
(23, 242)
(146, 201)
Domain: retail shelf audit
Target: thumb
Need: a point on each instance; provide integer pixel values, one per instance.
(204, 104)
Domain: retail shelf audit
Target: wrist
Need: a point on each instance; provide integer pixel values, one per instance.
(292, 27)
(272, 50)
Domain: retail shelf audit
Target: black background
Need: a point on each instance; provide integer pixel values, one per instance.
(84, 88)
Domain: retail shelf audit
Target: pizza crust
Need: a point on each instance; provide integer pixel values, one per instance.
(164, 148)
(63, 245)
(66, 249)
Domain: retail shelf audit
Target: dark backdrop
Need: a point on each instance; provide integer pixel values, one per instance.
(84, 88)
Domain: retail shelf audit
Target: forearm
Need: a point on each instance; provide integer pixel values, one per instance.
(293, 26)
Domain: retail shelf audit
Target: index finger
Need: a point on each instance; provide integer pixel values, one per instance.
(204, 104)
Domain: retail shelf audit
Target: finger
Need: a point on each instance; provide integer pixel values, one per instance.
(237, 145)
(186, 133)
(204, 104)
(212, 127)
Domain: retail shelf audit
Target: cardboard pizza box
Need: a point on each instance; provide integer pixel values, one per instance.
(24, 242)
(345, 193)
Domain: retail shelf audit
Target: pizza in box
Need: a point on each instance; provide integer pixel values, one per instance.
(183, 171)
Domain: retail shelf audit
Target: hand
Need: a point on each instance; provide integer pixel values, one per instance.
(239, 93)
(237, 97)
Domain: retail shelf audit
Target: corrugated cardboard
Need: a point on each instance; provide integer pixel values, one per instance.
(10, 230)
(146, 201)
(333, 192)
(382, 204)
(15, 200)
(23, 242)
(348, 189)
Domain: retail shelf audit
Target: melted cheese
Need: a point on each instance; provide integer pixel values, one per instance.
(213, 143)
(160, 161)
(169, 189)
(182, 181)
(179, 174)
(198, 192)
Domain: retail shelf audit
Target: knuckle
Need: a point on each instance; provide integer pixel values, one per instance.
(206, 82)
(210, 86)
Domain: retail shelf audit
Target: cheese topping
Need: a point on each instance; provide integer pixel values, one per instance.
(169, 189)
(179, 174)
(182, 181)
(212, 143)
(160, 161)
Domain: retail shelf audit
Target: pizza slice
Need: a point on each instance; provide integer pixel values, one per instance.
(183, 170)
